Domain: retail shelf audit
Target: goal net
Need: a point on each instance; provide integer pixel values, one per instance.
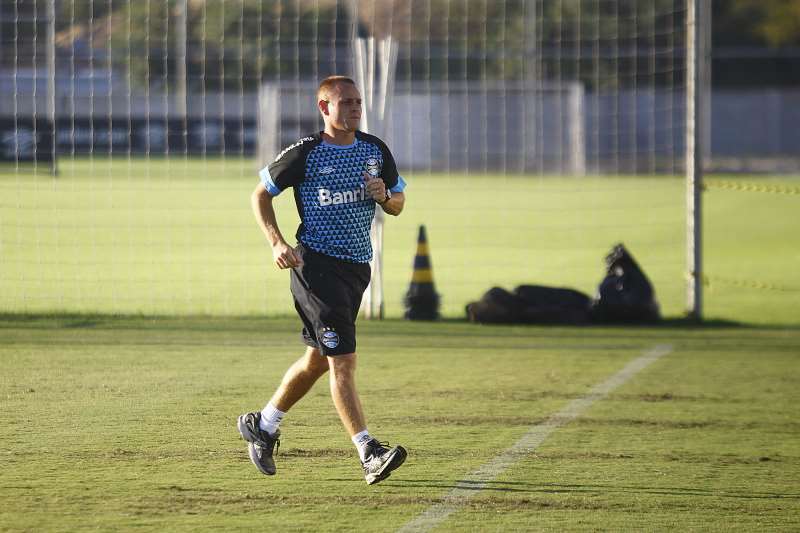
(533, 135)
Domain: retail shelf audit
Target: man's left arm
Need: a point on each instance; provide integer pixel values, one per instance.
(390, 184)
(377, 188)
(394, 205)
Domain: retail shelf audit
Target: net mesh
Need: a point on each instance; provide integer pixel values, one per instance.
(533, 134)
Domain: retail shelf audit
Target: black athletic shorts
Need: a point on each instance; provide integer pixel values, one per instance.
(327, 295)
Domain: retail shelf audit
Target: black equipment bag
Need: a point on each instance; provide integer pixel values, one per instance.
(625, 294)
(530, 304)
(553, 305)
(496, 306)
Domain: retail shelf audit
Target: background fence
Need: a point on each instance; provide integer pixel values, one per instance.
(626, 131)
(511, 122)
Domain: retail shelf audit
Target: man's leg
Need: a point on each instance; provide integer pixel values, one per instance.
(378, 460)
(299, 379)
(260, 429)
(344, 393)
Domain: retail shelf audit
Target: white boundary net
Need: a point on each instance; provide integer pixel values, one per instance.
(158, 140)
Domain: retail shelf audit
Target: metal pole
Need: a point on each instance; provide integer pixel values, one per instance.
(180, 61)
(696, 58)
(51, 80)
(352, 12)
(705, 78)
(532, 66)
(373, 58)
(576, 127)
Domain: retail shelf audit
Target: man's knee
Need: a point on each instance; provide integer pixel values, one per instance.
(342, 366)
(315, 361)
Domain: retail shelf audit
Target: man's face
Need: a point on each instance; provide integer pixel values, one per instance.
(343, 107)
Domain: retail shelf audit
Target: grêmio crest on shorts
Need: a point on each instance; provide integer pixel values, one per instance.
(329, 191)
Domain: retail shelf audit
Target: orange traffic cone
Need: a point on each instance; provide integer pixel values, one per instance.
(421, 301)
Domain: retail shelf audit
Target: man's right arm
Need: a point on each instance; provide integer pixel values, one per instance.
(284, 255)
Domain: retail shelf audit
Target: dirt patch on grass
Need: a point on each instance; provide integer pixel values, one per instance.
(646, 456)
(502, 421)
(321, 452)
(509, 395)
(715, 423)
(191, 500)
(634, 422)
(671, 397)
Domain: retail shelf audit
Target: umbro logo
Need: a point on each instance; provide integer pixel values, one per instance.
(295, 145)
(327, 170)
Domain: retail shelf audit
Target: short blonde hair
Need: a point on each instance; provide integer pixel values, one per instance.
(327, 85)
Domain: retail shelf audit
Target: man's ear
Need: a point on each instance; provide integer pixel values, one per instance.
(323, 107)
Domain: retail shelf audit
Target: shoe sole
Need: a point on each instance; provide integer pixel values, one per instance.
(247, 435)
(393, 463)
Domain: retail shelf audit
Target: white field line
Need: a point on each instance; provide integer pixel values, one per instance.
(476, 480)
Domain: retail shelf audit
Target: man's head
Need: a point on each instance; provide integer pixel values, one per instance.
(339, 102)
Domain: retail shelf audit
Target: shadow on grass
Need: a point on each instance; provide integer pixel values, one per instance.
(532, 488)
(76, 320)
(670, 322)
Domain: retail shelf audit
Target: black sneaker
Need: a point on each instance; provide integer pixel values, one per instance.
(380, 461)
(259, 443)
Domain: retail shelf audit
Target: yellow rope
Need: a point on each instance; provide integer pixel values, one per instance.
(708, 281)
(750, 187)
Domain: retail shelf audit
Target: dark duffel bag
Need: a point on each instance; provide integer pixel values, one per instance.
(553, 305)
(625, 294)
(530, 304)
(496, 306)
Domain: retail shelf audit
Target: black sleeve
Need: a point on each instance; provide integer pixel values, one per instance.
(389, 170)
(289, 167)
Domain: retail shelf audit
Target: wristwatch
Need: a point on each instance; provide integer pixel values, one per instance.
(387, 197)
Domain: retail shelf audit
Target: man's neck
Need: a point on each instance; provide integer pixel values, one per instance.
(334, 136)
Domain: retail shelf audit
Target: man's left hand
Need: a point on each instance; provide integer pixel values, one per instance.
(376, 188)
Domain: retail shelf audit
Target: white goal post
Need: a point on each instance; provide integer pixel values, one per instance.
(374, 63)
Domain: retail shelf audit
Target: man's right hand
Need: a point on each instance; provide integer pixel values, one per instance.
(286, 257)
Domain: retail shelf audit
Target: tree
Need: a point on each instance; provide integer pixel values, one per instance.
(233, 44)
(777, 22)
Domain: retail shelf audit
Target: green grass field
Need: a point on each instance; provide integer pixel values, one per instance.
(177, 237)
(129, 424)
(140, 315)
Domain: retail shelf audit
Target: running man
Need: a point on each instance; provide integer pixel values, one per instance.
(338, 176)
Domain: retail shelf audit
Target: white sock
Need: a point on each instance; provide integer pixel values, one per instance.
(270, 419)
(361, 440)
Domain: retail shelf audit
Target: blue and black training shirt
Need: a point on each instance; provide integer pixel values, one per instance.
(330, 191)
